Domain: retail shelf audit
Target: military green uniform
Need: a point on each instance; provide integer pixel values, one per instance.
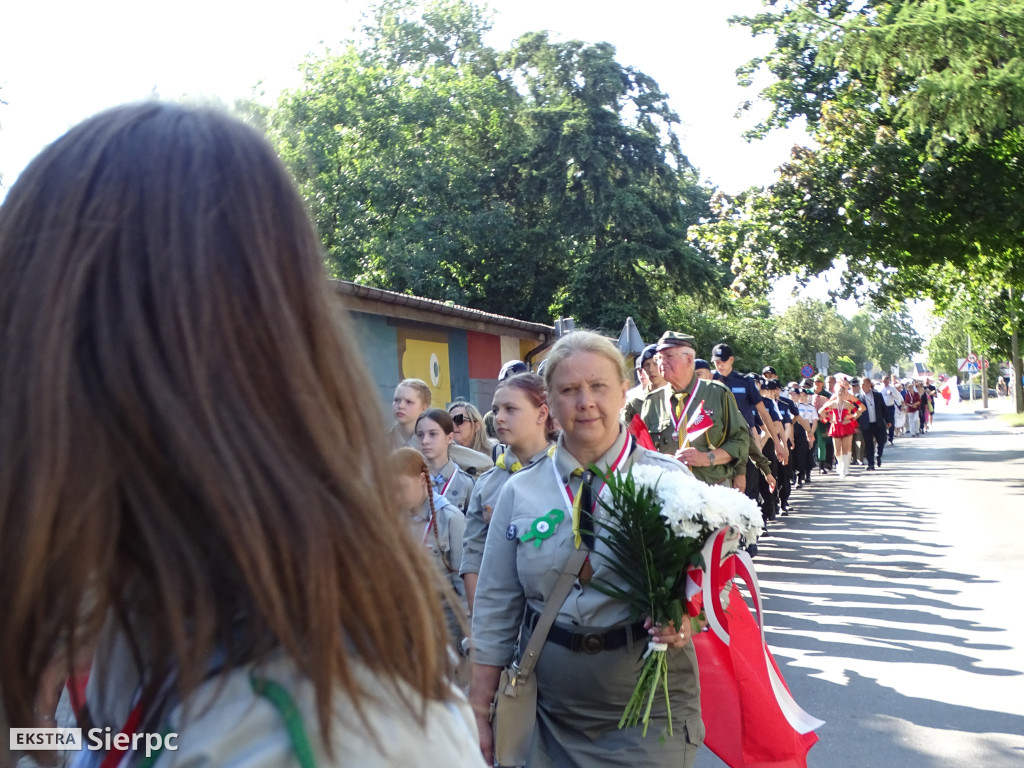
(729, 433)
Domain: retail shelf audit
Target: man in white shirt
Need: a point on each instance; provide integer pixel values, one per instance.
(893, 400)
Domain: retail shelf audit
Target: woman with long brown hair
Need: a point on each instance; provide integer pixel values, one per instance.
(185, 494)
(435, 436)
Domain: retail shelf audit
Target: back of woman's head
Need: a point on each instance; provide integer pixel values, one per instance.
(407, 462)
(182, 434)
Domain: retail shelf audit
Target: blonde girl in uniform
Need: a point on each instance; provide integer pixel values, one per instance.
(411, 398)
(185, 480)
(523, 422)
(435, 436)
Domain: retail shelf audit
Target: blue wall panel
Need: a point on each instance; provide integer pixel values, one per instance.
(458, 361)
(378, 342)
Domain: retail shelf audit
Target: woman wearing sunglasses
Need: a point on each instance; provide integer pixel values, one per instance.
(469, 428)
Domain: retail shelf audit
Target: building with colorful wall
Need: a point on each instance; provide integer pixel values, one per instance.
(458, 351)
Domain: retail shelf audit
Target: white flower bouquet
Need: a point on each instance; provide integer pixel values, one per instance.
(656, 525)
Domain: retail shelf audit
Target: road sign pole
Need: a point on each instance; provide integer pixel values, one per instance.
(984, 384)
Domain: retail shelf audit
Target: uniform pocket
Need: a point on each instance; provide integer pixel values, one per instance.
(694, 731)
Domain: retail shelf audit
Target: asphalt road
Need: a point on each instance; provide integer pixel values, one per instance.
(895, 602)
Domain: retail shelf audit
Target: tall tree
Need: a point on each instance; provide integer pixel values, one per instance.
(890, 337)
(603, 170)
(544, 180)
(916, 108)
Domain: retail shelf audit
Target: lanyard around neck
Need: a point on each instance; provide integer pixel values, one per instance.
(572, 502)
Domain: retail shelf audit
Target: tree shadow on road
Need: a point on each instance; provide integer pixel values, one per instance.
(981, 737)
(847, 576)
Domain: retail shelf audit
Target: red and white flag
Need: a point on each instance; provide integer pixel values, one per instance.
(699, 423)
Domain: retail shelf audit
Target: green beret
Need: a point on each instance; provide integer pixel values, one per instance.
(675, 339)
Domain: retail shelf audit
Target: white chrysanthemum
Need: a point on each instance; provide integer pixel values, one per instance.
(693, 508)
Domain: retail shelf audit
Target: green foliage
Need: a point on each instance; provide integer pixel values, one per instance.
(982, 314)
(913, 186)
(812, 326)
(844, 364)
(890, 337)
(1013, 419)
(542, 180)
(953, 71)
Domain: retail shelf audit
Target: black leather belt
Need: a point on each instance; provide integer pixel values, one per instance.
(589, 642)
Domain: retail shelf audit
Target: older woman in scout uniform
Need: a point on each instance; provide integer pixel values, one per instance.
(592, 655)
(523, 423)
(435, 434)
(714, 454)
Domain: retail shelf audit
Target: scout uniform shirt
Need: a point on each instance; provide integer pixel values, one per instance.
(451, 526)
(485, 493)
(580, 695)
(515, 572)
(659, 412)
(455, 485)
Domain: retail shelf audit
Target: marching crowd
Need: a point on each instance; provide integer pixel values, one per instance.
(750, 431)
(206, 540)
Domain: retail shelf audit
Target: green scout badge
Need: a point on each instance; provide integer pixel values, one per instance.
(543, 527)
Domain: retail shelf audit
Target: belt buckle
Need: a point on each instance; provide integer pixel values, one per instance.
(592, 643)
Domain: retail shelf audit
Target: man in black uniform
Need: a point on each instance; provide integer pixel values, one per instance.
(750, 402)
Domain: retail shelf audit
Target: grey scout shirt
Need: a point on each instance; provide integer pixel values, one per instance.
(456, 487)
(485, 493)
(451, 528)
(515, 573)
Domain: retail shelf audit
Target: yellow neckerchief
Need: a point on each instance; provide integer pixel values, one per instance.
(576, 500)
(517, 465)
(685, 401)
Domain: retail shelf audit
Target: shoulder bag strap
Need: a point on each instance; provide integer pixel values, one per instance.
(551, 608)
(555, 600)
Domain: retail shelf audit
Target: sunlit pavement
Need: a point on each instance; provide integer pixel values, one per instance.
(895, 601)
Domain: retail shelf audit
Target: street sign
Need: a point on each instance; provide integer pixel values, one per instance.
(961, 363)
(972, 367)
(807, 371)
(972, 358)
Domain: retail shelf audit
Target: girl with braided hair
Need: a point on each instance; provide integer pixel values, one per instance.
(436, 524)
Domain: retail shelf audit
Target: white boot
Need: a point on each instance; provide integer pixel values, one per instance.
(844, 465)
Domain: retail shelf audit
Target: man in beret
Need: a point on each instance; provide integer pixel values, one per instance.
(713, 455)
